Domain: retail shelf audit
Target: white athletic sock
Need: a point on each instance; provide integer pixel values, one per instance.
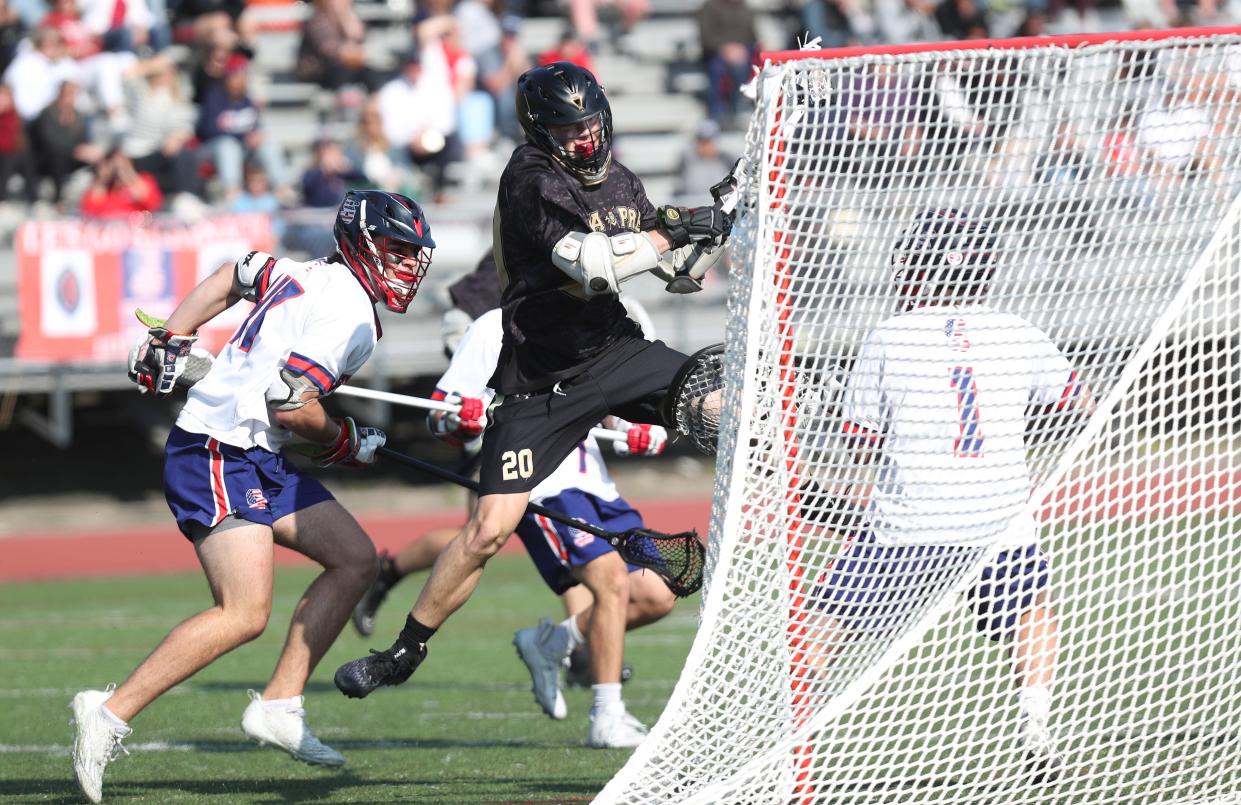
(280, 704)
(576, 638)
(1034, 701)
(605, 694)
(112, 717)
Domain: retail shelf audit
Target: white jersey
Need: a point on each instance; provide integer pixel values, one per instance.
(313, 319)
(472, 366)
(947, 390)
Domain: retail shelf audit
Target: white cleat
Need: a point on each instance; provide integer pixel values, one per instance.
(96, 742)
(615, 728)
(285, 728)
(543, 649)
(1043, 762)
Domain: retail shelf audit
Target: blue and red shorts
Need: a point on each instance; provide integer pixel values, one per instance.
(206, 481)
(878, 588)
(557, 548)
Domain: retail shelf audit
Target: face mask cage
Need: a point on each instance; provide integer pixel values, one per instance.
(590, 160)
(397, 268)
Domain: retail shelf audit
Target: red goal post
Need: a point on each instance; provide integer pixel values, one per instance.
(1131, 267)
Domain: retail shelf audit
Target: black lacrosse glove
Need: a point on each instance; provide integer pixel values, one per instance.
(709, 226)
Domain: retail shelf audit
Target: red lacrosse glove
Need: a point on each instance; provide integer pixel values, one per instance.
(354, 447)
(643, 440)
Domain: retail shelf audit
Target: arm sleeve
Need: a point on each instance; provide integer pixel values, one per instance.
(475, 359)
(862, 403)
(254, 275)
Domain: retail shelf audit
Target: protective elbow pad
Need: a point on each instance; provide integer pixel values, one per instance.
(601, 263)
(249, 271)
(287, 392)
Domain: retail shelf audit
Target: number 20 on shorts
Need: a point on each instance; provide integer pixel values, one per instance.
(517, 464)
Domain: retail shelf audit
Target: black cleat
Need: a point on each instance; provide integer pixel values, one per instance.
(577, 669)
(391, 667)
(364, 612)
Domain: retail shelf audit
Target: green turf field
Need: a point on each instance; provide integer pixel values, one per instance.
(465, 729)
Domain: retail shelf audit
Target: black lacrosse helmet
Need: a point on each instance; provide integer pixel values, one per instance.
(386, 241)
(560, 94)
(944, 257)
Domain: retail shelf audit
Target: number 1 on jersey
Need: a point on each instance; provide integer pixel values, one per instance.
(969, 440)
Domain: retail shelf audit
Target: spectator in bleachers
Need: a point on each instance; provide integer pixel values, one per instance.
(230, 131)
(330, 174)
(12, 29)
(203, 22)
(480, 32)
(501, 81)
(837, 23)
(104, 60)
(962, 19)
(15, 158)
(702, 165)
(120, 25)
(901, 21)
(570, 48)
(584, 14)
(210, 64)
(161, 127)
(80, 41)
(418, 110)
(332, 52)
(119, 190)
(729, 45)
(38, 70)
(256, 194)
(61, 140)
(29, 12)
(372, 153)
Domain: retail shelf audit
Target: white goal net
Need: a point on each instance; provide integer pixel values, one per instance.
(989, 550)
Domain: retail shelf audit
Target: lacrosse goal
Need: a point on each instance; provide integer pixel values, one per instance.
(1107, 169)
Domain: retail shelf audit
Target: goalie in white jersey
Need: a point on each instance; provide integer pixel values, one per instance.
(228, 485)
(939, 398)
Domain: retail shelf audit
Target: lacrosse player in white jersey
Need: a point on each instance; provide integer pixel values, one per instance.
(624, 597)
(940, 397)
(229, 486)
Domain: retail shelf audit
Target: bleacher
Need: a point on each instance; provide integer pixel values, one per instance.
(654, 82)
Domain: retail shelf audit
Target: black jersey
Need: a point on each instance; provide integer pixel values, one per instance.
(551, 329)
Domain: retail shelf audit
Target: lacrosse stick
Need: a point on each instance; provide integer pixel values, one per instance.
(687, 273)
(678, 559)
(199, 363)
(692, 405)
(602, 434)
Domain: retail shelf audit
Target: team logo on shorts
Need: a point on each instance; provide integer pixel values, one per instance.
(255, 499)
(581, 539)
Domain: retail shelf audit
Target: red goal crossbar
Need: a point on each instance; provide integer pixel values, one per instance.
(1013, 43)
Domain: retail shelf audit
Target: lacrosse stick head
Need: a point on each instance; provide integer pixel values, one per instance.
(694, 400)
(678, 559)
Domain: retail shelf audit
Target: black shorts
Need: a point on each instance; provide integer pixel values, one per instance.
(530, 434)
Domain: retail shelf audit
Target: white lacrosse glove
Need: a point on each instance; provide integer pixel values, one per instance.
(354, 447)
(158, 358)
(462, 426)
(642, 439)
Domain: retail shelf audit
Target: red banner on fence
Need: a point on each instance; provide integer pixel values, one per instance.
(79, 282)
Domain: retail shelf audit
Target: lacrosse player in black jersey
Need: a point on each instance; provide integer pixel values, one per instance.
(570, 224)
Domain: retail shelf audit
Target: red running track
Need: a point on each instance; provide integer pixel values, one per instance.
(162, 549)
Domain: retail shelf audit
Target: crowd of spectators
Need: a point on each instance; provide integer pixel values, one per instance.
(99, 115)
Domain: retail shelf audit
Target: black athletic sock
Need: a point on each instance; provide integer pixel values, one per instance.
(388, 574)
(414, 633)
